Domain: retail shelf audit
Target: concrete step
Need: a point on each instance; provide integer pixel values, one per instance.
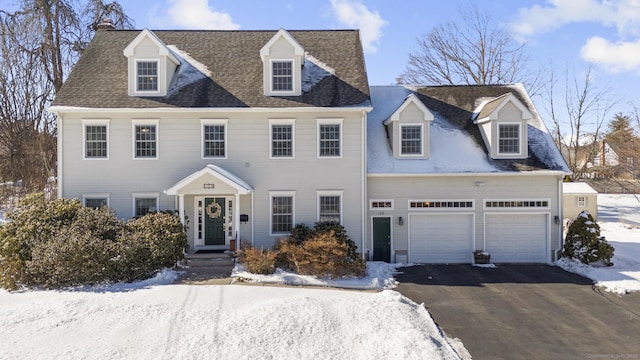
(210, 262)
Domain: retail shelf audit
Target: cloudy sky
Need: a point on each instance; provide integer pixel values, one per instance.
(567, 33)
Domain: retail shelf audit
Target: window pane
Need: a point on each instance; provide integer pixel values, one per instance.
(147, 76)
(282, 76)
(145, 206)
(214, 141)
(281, 140)
(95, 203)
(411, 140)
(330, 140)
(281, 214)
(145, 141)
(330, 208)
(96, 141)
(509, 136)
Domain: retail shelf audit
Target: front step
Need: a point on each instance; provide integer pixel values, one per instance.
(203, 266)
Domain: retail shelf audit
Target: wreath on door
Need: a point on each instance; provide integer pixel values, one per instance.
(210, 210)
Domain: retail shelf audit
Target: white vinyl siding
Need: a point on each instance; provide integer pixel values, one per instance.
(145, 139)
(214, 138)
(95, 135)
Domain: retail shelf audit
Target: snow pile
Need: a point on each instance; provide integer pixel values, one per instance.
(228, 321)
(618, 216)
(313, 72)
(380, 276)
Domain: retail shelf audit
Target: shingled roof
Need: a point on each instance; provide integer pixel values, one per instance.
(99, 79)
(456, 142)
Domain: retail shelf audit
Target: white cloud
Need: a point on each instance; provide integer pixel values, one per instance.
(622, 14)
(615, 57)
(354, 14)
(197, 14)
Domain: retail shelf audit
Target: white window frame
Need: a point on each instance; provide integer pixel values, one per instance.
(291, 122)
(519, 152)
(94, 122)
(322, 193)
(400, 139)
(144, 195)
(293, 77)
(319, 123)
(547, 207)
(95, 196)
(135, 77)
(145, 122)
(214, 122)
(372, 201)
(292, 195)
(582, 201)
(444, 202)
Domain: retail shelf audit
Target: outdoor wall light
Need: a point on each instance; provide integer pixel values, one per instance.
(400, 221)
(556, 219)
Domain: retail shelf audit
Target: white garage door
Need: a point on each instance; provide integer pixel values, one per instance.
(440, 238)
(516, 237)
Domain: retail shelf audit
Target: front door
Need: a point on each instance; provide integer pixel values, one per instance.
(382, 239)
(214, 221)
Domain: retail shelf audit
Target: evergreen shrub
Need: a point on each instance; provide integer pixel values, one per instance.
(583, 241)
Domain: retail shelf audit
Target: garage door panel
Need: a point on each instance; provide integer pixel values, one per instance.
(440, 238)
(516, 237)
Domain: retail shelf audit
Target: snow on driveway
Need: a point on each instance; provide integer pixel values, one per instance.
(149, 321)
(619, 220)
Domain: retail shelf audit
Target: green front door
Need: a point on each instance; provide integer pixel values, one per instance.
(382, 239)
(214, 221)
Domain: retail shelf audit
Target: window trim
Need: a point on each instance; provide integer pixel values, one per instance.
(322, 193)
(144, 195)
(273, 194)
(400, 139)
(293, 77)
(371, 201)
(333, 121)
(501, 153)
(135, 76)
(441, 208)
(213, 122)
(94, 122)
(291, 122)
(95, 196)
(581, 201)
(145, 122)
(547, 207)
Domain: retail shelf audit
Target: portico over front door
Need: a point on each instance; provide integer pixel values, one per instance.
(214, 221)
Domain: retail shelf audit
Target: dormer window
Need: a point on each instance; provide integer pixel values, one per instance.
(408, 129)
(411, 140)
(147, 75)
(509, 138)
(282, 75)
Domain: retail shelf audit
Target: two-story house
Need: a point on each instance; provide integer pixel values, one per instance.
(247, 133)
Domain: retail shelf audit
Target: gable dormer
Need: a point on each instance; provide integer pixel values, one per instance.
(151, 65)
(408, 129)
(503, 123)
(282, 59)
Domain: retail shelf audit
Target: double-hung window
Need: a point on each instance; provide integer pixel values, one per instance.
(282, 138)
(411, 140)
(145, 139)
(330, 206)
(508, 138)
(282, 75)
(214, 138)
(96, 139)
(282, 212)
(144, 203)
(147, 75)
(95, 201)
(330, 138)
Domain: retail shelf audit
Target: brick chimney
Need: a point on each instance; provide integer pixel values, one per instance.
(105, 25)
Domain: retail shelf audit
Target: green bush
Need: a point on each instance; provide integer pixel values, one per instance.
(583, 241)
(62, 243)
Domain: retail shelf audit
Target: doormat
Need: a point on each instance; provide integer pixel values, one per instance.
(211, 251)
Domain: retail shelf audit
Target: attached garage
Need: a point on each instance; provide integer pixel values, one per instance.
(512, 238)
(441, 238)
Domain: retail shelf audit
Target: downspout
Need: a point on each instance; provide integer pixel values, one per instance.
(560, 216)
(364, 201)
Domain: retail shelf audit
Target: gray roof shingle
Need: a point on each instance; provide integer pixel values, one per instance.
(99, 79)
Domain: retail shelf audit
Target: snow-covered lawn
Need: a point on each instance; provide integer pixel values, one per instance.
(619, 220)
(159, 320)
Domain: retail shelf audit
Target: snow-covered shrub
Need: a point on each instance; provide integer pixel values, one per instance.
(583, 241)
(258, 261)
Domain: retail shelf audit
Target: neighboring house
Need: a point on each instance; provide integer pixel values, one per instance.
(247, 133)
(606, 155)
(577, 197)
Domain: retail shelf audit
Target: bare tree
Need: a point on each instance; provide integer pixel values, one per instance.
(578, 119)
(477, 50)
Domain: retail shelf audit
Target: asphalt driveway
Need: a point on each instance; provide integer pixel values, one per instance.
(526, 311)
